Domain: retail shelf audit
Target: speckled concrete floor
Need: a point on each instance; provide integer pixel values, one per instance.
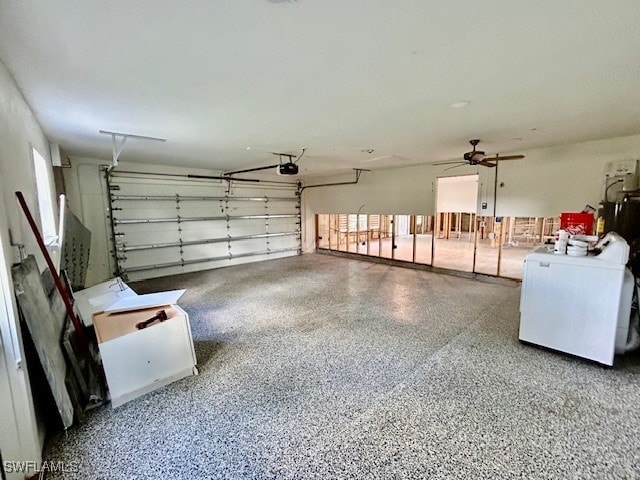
(322, 367)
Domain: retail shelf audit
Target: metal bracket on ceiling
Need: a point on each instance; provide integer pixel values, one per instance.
(119, 139)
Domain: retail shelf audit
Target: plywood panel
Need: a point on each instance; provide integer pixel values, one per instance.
(110, 326)
(45, 318)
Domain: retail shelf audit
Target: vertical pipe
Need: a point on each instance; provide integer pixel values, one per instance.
(500, 240)
(393, 235)
(495, 188)
(475, 240)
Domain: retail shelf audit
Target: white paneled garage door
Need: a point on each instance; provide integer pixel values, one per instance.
(163, 225)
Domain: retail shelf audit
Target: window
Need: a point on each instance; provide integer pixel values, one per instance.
(45, 196)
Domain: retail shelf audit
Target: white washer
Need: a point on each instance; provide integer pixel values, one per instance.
(577, 305)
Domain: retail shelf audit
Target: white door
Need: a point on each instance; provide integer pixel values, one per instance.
(19, 439)
(10, 447)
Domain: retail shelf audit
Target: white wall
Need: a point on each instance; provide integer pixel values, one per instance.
(560, 179)
(84, 189)
(18, 130)
(548, 181)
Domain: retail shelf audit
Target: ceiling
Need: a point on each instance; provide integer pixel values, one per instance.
(226, 82)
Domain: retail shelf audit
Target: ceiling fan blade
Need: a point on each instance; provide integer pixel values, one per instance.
(456, 166)
(451, 162)
(506, 157)
(484, 163)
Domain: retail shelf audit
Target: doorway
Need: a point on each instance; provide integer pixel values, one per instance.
(455, 222)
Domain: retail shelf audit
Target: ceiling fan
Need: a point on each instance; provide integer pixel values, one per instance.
(477, 157)
(289, 167)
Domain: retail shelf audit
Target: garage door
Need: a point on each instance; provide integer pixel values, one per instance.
(163, 225)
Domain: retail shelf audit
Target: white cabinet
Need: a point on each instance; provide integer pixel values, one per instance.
(97, 298)
(139, 361)
(574, 304)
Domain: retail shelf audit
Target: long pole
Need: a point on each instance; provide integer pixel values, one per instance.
(495, 189)
(56, 278)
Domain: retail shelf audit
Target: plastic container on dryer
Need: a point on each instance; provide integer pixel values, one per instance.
(577, 223)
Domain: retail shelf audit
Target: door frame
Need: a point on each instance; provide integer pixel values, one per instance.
(474, 214)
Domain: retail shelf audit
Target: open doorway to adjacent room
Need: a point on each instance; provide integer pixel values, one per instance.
(455, 222)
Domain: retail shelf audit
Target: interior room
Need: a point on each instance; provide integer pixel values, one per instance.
(307, 239)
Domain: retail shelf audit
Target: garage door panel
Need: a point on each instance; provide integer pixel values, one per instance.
(168, 225)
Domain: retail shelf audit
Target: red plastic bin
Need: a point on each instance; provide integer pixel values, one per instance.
(577, 223)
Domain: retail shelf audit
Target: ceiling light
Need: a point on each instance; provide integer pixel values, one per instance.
(248, 148)
(460, 104)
